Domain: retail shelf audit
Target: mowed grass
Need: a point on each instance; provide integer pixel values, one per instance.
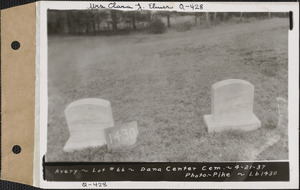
(164, 83)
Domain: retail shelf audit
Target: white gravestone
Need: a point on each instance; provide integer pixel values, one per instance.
(87, 119)
(232, 106)
(282, 106)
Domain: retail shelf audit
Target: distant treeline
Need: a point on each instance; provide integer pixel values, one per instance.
(97, 22)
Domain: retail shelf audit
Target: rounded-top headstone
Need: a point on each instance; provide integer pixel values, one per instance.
(87, 119)
(232, 107)
(232, 99)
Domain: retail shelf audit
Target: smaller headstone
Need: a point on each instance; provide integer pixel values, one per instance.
(283, 117)
(282, 106)
(87, 119)
(121, 136)
(232, 106)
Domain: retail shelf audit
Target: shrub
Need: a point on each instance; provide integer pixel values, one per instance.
(157, 26)
(235, 20)
(182, 27)
(250, 19)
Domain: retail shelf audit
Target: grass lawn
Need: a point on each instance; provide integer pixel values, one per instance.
(164, 83)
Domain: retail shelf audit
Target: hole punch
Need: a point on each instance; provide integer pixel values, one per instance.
(16, 149)
(15, 45)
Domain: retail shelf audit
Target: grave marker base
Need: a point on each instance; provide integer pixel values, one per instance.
(97, 139)
(250, 124)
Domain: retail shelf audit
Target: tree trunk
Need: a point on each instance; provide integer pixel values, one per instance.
(200, 20)
(97, 23)
(224, 16)
(241, 17)
(215, 17)
(94, 27)
(69, 23)
(149, 17)
(114, 20)
(133, 22)
(87, 28)
(99, 26)
(207, 18)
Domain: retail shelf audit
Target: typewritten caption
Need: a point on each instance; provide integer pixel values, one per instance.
(257, 171)
(215, 171)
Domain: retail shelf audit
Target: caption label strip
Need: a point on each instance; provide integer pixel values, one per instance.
(239, 171)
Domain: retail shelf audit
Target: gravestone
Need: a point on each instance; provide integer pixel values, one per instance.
(121, 136)
(283, 117)
(87, 119)
(232, 106)
(282, 107)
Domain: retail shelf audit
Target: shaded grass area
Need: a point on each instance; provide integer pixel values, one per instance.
(164, 83)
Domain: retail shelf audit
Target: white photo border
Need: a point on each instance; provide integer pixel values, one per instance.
(293, 94)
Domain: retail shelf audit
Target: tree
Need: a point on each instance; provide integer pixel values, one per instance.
(168, 20)
(100, 17)
(133, 21)
(207, 18)
(149, 15)
(131, 15)
(215, 17)
(114, 20)
(70, 24)
(241, 17)
(166, 14)
(225, 16)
